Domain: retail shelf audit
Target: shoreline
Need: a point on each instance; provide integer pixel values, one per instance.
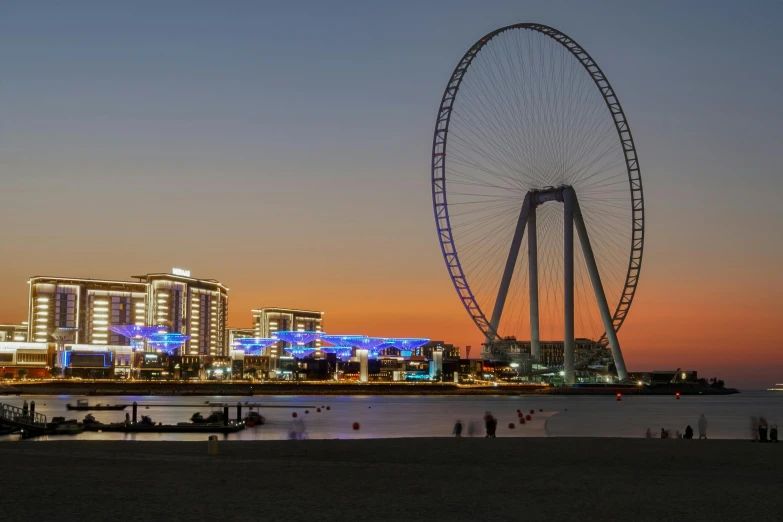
(327, 389)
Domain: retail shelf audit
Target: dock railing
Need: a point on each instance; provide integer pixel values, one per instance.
(14, 415)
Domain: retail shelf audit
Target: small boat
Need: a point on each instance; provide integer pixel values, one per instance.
(67, 429)
(254, 418)
(83, 405)
(778, 387)
(182, 427)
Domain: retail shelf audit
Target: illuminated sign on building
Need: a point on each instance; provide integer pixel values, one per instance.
(180, 272)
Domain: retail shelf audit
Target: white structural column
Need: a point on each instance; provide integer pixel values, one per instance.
(532, 252)
(364, 370)
(569, 201)
(598, 288)
(437, 363)
(508, 272)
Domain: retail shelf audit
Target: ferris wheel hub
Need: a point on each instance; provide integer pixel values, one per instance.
(539, 197)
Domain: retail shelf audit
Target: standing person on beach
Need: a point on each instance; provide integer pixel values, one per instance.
(648, 434)
(688, 432)
(763, 426)
(458, 429)
(702, 427)
(489, 422)
(754, 429)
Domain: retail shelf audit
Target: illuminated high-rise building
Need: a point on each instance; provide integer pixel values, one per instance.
(194, 307)
(88, 305)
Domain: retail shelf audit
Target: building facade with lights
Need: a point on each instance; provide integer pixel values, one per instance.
(18, 359)
(89, 305)
(197, 308)
(268, 321)
(194, 307)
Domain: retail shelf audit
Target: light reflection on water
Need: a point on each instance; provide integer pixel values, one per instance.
(434, 416)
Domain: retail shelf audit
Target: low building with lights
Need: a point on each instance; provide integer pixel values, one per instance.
(449, 350)
(21, 359)
(239, 333)
(268, 321)
(13, 332)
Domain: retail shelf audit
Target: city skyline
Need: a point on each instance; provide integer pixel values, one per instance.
(287, 157)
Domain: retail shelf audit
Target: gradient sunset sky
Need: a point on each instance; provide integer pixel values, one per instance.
(284, 149)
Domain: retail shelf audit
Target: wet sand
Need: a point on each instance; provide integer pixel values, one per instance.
(394, 479)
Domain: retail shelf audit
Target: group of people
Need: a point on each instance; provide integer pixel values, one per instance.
(667, 434)
(760, 430)
(490, 422)
(28, 409)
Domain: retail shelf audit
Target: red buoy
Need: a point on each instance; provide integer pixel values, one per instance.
(318, 410)
(528, 417)
(293, 415)
(328, 407)
(511, 426)
(307, 411)
(541, 409)
(519, 413)
(532, 412)
(619, 396)
(521, 420)
(355, 425)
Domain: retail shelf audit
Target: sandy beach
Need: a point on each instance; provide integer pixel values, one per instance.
(394, 479)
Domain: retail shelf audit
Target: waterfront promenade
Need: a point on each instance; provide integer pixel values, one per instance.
(394, 479)
(327, 388)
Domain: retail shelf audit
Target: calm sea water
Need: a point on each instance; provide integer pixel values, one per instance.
(409, 416)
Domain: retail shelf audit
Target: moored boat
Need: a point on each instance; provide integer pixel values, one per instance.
(84, 405)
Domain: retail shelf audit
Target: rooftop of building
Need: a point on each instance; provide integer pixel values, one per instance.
(279, 309)
(142, 279)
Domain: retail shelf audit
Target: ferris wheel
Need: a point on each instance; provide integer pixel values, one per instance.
(530, 136)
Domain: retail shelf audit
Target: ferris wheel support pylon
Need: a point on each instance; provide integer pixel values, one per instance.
(508, 272)
(568, 286)
(532, 252)
(598, 288)
(572, 218)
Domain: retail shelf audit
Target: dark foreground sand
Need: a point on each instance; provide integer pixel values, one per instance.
(394, 479)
